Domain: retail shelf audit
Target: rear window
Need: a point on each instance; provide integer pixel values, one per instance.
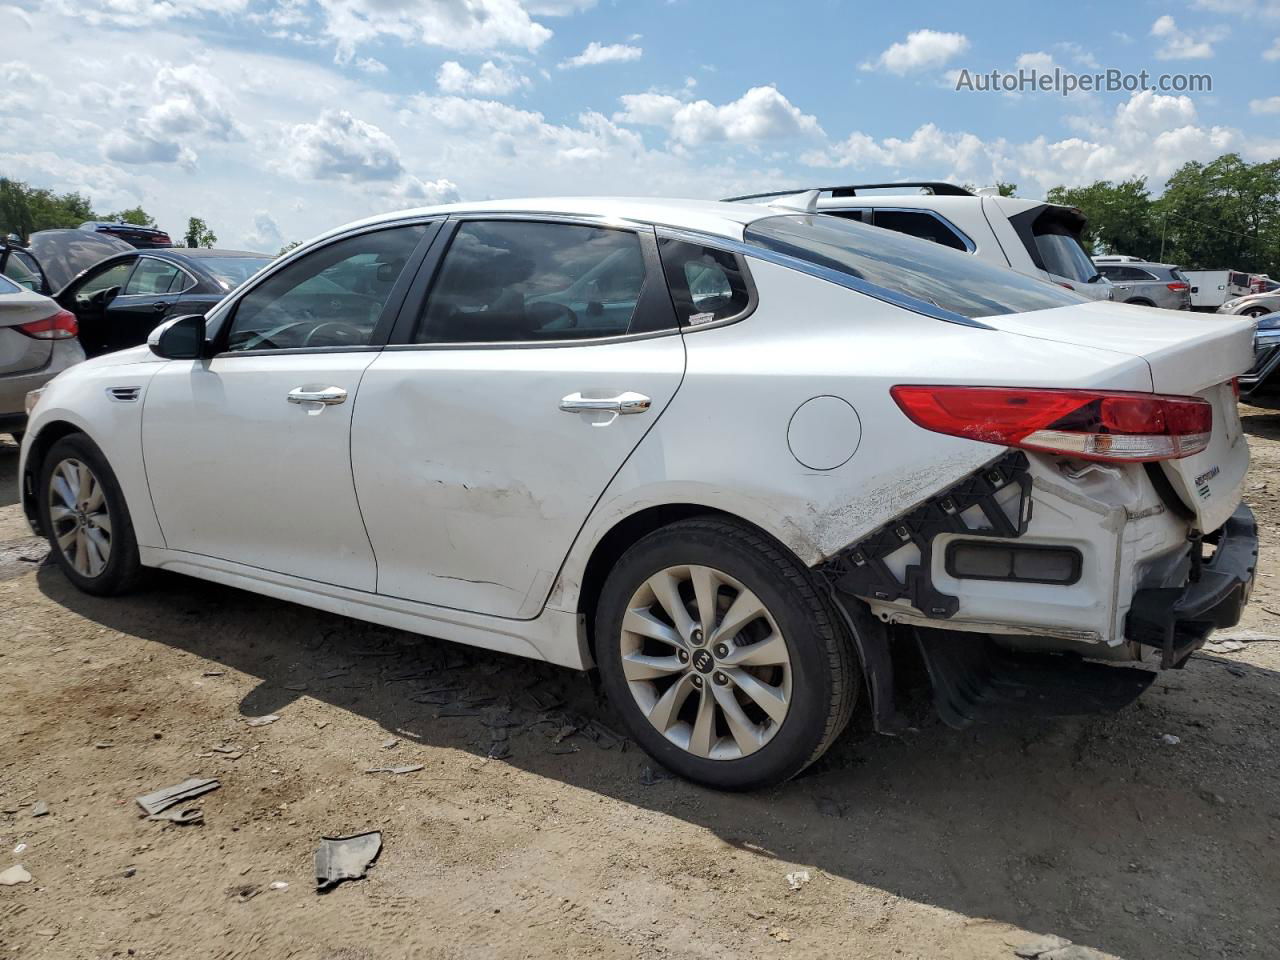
(1060, 250)
(958, 282)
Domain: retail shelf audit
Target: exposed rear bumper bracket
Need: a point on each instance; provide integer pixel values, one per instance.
(1178, 620)
(861, 569)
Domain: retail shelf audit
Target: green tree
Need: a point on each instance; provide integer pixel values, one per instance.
(134, 215)
(1120, 216)
(25, 209)
(1223, 214)
(199, 234)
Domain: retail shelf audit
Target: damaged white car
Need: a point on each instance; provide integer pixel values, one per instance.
(740, 458)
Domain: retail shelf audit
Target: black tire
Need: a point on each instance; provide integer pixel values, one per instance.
(825, 675)
(1255, 312)
(122, 570)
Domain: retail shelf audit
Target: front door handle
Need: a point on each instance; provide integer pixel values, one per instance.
(158, 306)
(628, 402)
(326, 395)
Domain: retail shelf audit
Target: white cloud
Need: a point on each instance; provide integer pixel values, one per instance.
(265, 235)
(1039, 60)
(558, 8)
(491, 80)
(597, 53)
(181, 108)
(371, 65)
(1148, 135)
(1269, 105)
(922, 50)
(141, 13)
(1273, 51)
(1246, 8)
(464, 25)
(762, 113)
(339, 146)
(1178, 44)
(1078, 55)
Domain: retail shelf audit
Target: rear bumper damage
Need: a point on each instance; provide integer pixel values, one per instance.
(1178, 620)
(971, 675)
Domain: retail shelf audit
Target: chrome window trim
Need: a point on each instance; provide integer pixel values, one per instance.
(963, 237)
(893, 297)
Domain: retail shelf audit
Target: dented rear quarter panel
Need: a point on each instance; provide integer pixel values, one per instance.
(723, 441)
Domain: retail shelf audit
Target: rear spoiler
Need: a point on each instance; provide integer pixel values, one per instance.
(935, 187)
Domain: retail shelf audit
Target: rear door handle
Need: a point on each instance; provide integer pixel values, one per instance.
(158, 306)
(628, 402)
(326, 395)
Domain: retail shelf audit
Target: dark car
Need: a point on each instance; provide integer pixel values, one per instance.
(144, 238)
(120, 294)
(1260, 387)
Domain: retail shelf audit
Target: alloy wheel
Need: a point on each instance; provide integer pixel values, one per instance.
(706, 663)
(80, 517)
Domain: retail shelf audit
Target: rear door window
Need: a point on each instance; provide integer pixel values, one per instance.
(153, 277)
(953, 281)
(919, 223)
(515, 281)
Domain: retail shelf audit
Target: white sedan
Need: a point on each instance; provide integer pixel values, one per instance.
(737, 457)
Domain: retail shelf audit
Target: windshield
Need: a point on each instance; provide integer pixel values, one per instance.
(954, 281)
(232, 271)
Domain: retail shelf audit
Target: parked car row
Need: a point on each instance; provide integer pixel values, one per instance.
(106, 295)
(738, 457)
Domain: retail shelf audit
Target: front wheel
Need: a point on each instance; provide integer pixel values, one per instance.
(85, 518)
(724, 660)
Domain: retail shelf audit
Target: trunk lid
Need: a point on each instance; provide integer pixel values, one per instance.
(1188, 355)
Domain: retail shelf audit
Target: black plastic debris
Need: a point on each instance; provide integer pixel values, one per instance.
(345, 858)
(182, 816)
(154, 803)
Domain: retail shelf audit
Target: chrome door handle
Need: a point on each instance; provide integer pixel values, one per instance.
(628, 402)
(325, 395)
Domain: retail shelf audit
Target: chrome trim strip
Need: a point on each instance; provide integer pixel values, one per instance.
(905, 301)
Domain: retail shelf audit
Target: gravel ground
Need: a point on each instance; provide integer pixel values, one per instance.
(551, 837)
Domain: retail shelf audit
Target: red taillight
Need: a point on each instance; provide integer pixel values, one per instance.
(61, 326)
(1090, 424)
(1235, 387)
(1067, 285)
(1178, 287)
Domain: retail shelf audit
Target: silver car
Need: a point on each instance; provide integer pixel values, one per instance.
(37, 342)
(1253, 305)
(1148, 284)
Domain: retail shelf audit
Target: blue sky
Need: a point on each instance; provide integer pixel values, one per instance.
(277, 119)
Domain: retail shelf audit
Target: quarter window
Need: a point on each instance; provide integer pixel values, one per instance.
(332, 297)
(706, 285)
(153, 277)
(923, 225)
(514, 281)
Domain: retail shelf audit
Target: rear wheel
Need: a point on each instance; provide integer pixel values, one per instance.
(723, 658)
(85, 518)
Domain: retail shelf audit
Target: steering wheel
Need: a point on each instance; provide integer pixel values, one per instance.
(353, 335)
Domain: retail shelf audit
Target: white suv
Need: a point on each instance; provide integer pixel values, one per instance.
(1033, 237)
(735, 457)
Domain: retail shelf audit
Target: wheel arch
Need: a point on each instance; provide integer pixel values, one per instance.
(1140, 302)
(624, 534)
(40, 443)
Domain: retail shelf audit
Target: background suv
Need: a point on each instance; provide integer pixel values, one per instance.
(1033, 237)
(1147, 284)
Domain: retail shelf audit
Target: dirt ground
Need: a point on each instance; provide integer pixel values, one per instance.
(938, 844)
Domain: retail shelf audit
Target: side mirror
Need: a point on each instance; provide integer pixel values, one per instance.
(181, 338)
